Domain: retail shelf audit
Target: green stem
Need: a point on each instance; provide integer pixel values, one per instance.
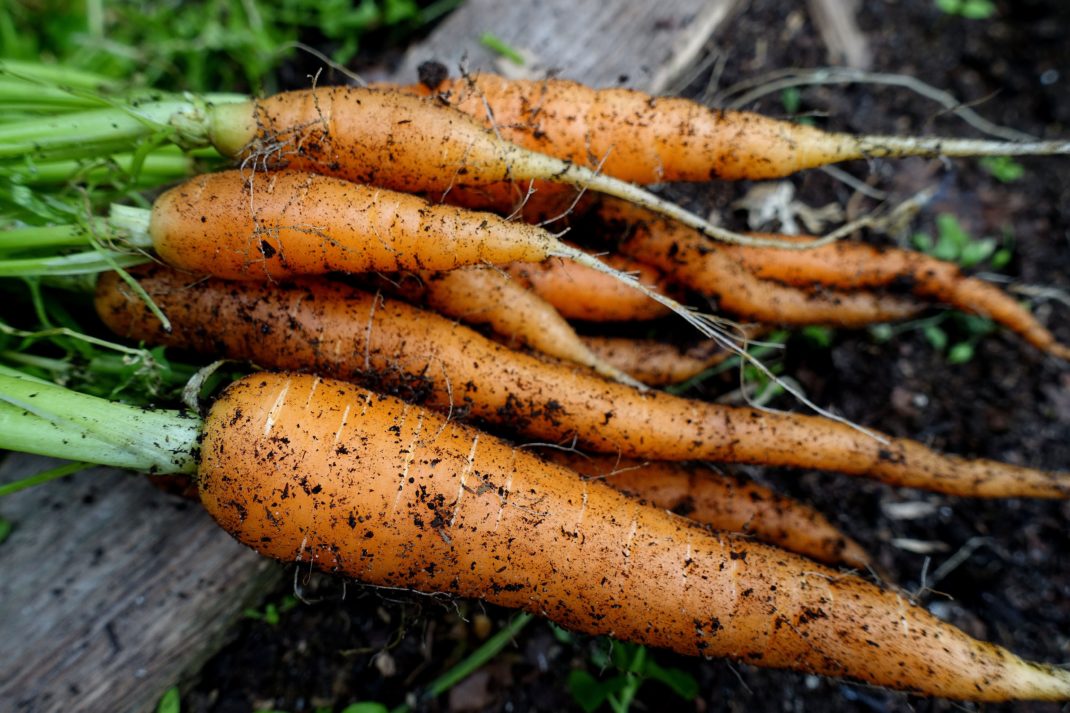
(54, 366)
(42, 418)
(99, 132)
(57, 75)
(53, 236)
(39, 478)
(488, 650)
(28, 96)
(155, 166)
(89, 133)
(133, 222)
(77, 264)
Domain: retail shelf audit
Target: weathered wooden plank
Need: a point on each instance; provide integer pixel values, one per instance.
(111, 590)
(641, 44)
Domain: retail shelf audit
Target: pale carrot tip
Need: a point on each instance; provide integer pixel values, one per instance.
(1059, 350)
(1042, 682)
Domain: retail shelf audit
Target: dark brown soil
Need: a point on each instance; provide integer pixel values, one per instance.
(1012, 584)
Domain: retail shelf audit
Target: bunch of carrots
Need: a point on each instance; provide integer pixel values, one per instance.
(359, 216)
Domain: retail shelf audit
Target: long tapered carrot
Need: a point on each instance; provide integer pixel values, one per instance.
(487, 296)
(400, 141)
(657, 363)
(706, 266)
(578, 292)
(254, 225)
(311, 470)
(704, 495)
(852, 266)
(645, 139)
(334, 330)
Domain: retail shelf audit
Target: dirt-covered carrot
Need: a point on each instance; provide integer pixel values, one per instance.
(645, 139)
(656, 363)
(305, 469)
(487, 296)
(710, 267)
(382, 137)
(578, 292)
(704, 495)
(335, 330)
(851, 265)
(256, 225)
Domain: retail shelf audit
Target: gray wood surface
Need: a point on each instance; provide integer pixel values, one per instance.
(112, 591)
(640, 44)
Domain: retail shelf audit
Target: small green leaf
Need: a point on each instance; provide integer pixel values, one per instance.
(5, 529)
(1003, 168)
(923, 242)
(951, 7)
(936, 337)
(366, 707)
(682, 683)
(950, 231)
(818, 335)
(977, 251)
(960, 353)
(791, 98)
(600, 653)
(1001, 259)
(624, 655)
(169, 701)
(977, 9)
(589, 692)
(563, 636)
(977, 326)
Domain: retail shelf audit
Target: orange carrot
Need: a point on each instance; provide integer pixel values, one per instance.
(710, 267)
(399, 141)
(645, 139)
(851, 265)
(704, 495)
(656, 363)
(483, 295)
(304, 469)
(578, 292)
(335, 330)
(278, 225)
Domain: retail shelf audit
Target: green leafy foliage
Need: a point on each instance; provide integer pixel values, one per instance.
(170, 701)
(791, 98)
(954, 334)
(272, 613)
(632, 666)
(365, 707)
(1003, 168)
(5, 529)
(969, 9)
(954, 244)
(202, 45)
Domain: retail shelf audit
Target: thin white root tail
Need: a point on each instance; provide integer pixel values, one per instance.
(900, 146)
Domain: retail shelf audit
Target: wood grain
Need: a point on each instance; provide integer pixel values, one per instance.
(112, 590)
(643, 45)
